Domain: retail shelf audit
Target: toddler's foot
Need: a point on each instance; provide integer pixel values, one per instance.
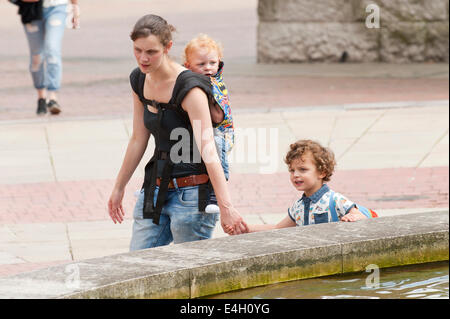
(212, 208)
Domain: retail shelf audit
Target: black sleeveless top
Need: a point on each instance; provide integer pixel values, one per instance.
(173, 117)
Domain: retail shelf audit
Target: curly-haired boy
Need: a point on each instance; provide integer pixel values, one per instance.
(311, 166)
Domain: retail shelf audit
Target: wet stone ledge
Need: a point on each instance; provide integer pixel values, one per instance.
(219, 265)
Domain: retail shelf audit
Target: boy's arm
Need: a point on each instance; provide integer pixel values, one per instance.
(353, 215)
(286, 222)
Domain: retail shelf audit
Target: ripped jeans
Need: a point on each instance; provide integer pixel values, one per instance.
(45, 42)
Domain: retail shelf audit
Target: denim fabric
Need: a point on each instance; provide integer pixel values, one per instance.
(224, 140)
(180, 220)
(45, 40)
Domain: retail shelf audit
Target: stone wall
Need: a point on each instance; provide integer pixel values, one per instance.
(207, 267)
(335, 31)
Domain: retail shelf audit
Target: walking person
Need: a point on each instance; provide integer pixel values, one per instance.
(170, 102)
(44, 22)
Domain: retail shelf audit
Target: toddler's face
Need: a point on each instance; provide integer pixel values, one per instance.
(304, 175)
(203, 61)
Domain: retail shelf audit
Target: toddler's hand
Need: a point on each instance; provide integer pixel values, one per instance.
(229, 229)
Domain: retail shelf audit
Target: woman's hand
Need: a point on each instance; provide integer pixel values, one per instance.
(232, 222)
(115, 208)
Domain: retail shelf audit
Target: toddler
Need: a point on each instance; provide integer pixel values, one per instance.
(204, 55)
(311, 166)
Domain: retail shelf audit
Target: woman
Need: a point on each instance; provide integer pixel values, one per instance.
(170, 101)
(44, 22)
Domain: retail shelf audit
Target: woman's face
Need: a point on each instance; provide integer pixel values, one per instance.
(149, 53)
(203, 61)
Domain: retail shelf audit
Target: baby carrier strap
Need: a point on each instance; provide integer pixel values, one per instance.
(189, 80)
(150, 210)
(137, 81)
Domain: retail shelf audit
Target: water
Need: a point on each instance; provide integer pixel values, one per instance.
(424, 281)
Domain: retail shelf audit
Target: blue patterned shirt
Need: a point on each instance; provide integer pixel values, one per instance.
(316, 208)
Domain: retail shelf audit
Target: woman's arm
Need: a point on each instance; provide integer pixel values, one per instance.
(196, 105)
(135, 150)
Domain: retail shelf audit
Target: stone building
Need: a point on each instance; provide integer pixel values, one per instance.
(395, 31)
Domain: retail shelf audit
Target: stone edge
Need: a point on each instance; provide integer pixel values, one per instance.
(350, 247)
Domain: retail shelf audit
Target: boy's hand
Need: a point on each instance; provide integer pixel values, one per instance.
(230, 216)
(353, 216)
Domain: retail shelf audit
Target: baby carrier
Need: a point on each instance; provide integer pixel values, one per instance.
(220, 94)
(334, 216)
(171, 116)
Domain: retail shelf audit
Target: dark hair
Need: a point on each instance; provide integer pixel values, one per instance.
(323, 156)
(153, 24)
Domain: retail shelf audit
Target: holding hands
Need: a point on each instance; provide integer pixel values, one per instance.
(232, 222)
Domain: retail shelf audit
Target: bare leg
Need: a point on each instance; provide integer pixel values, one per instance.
(52, 95)
(42, 94)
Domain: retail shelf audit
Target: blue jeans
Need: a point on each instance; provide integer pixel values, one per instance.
(180, 220)
(45, 41)
(224, 143)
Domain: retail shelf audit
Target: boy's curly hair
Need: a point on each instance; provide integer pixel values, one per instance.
(323, 156)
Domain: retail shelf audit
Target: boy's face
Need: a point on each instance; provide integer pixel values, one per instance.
(304, 175)
(203, 61)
